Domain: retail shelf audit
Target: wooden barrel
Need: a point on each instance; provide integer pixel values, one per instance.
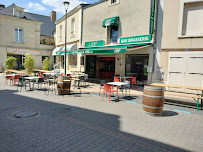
(63, 87)
(153, 100)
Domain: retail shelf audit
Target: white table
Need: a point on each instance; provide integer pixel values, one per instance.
(49, 73)
(117, 84)
(31, 78)
(125, 78)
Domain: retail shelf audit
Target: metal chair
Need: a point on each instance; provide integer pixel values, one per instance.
(101, 85)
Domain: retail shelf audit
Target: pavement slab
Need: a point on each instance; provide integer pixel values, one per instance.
(86, 123)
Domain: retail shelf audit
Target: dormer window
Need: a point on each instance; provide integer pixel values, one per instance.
(18, 13)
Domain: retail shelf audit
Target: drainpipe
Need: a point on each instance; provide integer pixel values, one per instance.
(81, 25)
(155, 38)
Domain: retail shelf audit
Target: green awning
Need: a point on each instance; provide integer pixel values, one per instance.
(111, 21)
(105, 49)
(90, 51)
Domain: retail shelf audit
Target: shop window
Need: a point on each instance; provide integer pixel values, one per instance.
(73, 59)
(18, 35)
(113, 34)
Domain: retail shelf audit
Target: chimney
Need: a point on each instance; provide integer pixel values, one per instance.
(53, 16)
(2, 6)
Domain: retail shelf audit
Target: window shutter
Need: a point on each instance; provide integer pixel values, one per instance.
(193, 19)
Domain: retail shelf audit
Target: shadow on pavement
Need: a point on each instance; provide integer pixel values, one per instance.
(60, 127)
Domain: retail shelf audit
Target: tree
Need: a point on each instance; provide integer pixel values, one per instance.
(10, 62)
(45, 64)
(29, 63)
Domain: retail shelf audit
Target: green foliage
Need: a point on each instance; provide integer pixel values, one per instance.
(10, 62)
(29, 63)
(21, 67)
(45, 64)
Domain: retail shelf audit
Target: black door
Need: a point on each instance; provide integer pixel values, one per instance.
(91, 65)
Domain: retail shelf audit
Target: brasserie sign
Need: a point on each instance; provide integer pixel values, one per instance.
(135, 39)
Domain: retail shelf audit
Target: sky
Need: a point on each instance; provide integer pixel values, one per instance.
(44, 7)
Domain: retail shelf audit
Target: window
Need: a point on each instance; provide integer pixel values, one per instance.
(73, 59)
(60, 33)
(113, 1)
(43, 57)
(113, 34)
(73, 27)
(54, 59)
(18, 13)
(82, 60)
(190, 22)
(192, 19)
(18, 35)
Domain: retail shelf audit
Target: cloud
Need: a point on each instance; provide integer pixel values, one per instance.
(36, 6)
(58, 6)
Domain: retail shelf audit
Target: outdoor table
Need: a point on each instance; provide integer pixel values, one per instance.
(117, 84)
(30, 79)
(182, 87)
(49, 73)
(125, 78)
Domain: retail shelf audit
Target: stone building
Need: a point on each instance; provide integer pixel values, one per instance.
(22, 32)
(180, 57)
(118, 38)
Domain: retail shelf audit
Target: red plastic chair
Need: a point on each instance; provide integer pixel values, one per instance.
(107, 89)
(8, 78)
(68, 74)
(116, 79)
(133, 81)
(40, 75)
(62, 74)
(16, 78)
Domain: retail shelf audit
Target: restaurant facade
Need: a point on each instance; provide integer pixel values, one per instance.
(118, 39)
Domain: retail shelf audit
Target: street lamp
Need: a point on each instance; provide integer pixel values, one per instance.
(66, 5)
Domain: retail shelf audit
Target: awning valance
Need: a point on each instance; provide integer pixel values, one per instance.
(111, 21)
(61, 50)
(108, 49)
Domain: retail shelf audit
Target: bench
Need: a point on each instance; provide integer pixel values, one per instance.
(196, 97)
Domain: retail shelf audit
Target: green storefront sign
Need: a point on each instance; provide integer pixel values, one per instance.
(136, 39)
(94, 43)
(151, 28)
(90, 51)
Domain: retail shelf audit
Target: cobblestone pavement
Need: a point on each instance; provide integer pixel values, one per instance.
(83, 122)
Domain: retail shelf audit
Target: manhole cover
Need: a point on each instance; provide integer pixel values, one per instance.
(25, 114)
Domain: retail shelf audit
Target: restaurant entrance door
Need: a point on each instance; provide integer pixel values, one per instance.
(91, 65)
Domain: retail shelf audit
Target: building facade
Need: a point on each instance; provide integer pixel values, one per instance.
(73, 40)
(22, 32)
(181, 55)
(118, 38)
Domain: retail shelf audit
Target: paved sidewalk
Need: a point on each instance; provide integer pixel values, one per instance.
(86, 123)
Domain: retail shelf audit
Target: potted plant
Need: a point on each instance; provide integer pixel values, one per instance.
(10, 62)
(45, 64)
(29, 63)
